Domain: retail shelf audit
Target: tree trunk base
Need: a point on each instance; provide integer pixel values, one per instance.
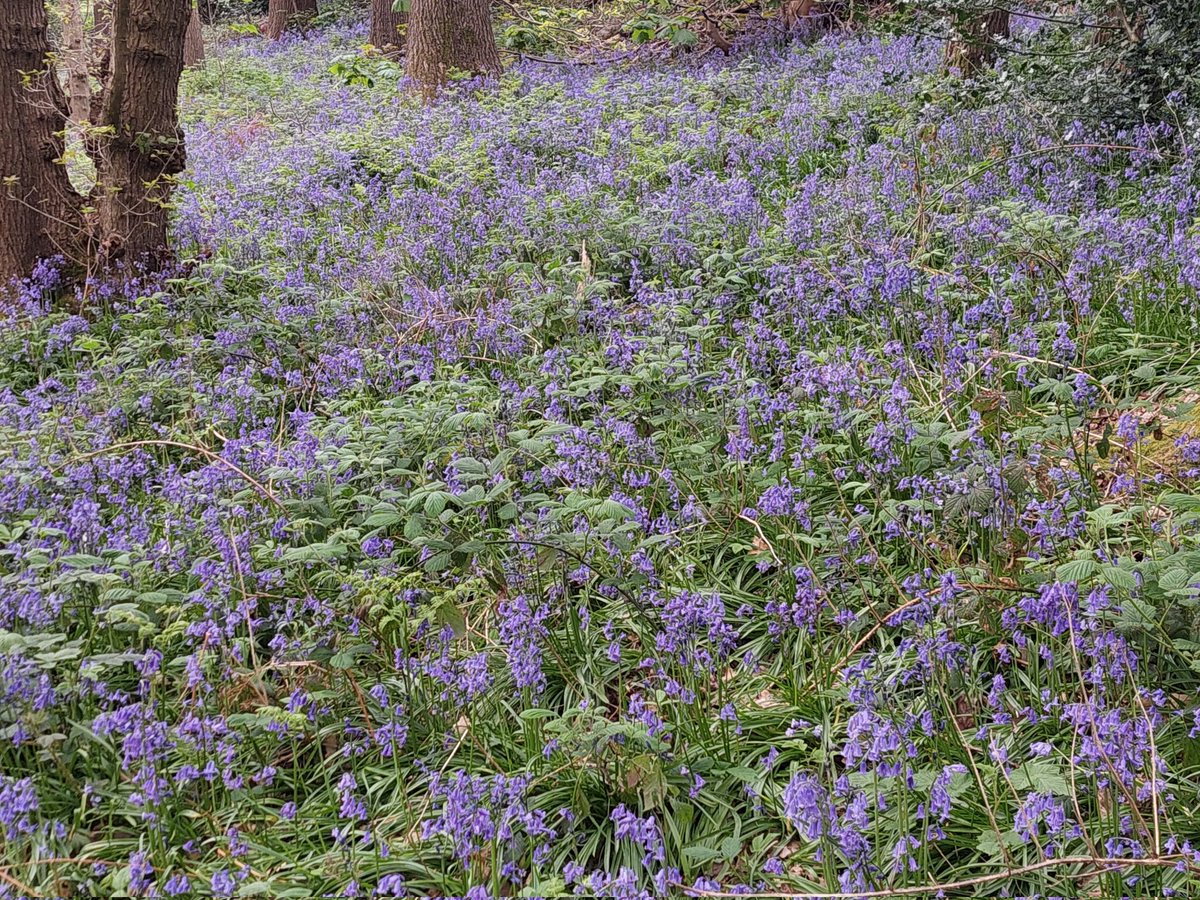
(39, 210)
(445, 36)
(288, 15)
(975, 49)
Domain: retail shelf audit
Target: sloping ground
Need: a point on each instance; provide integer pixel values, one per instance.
(751, 473)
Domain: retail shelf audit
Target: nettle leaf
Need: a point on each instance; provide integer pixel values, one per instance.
(642, 33)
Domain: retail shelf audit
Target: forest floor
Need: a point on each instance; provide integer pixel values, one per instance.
(772, 473)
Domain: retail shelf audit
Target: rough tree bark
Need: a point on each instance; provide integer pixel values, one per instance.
(975, 47)
(141, 146)
(79, 89)
(793, 12)
(385, 25)
(285, 15)
(1118, 26)
(100, 52)
(38, 208)
(450, 34)
(193, 41)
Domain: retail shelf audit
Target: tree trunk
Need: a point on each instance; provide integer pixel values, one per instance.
(39, 214)
(100, 52)
(193, 41)
(794, 12)
(79, 88)
(444, 35)
(285, 15)
(141, 147)
(1118, 27)
(385, 25)
(975, 47)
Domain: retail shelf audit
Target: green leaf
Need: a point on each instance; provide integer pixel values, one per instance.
(611, 509)
(435, 503)
(346, 659)
(255, 889)
(730, 848)
(701, 854)
(1174, 579)
(989, 845)
(546, 887)
(414, 527)
(1119, 577)
(449, 614)
(743, 773)
(382, 519)
(1041, 775)
(1077, 570)
(81, 561)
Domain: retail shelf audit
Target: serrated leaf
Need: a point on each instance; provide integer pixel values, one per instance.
(1041, 775)
(435, 503)
(700, 854)
(1077, 570)
(730, 848)
(81, 561)
(1119, 578)
(382, 519)
(611, 509)
(1174, 579)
